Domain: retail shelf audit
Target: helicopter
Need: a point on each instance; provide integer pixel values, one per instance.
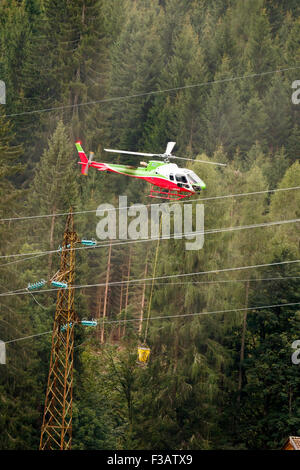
(168, 180)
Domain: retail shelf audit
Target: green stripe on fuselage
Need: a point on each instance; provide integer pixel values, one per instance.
(150, 170)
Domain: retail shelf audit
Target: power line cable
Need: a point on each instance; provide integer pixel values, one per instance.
(174, 237)
(137, 281)
(247, 194)
(19, 260)
(169, 276)
(36, 301)
(27, 337)
(220, 281)
(208, 313)
(153, 92)
(260, 307)
(10, 219)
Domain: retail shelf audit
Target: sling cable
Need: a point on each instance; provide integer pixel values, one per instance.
(143, 349)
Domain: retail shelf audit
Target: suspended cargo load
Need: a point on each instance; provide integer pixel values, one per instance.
(143, 355)
(36, 285)
(62, 285)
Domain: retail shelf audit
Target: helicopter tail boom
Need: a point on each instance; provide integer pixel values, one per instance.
(86, 162)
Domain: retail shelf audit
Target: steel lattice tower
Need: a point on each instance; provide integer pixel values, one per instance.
(56, 433)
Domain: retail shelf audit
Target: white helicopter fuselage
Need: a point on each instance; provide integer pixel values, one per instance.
(182, 177)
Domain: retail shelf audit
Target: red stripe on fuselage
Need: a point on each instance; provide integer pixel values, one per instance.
(157, 181)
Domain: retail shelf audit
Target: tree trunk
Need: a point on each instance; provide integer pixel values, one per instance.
(51, 241)
(190, 144)
(290, 400)
(176, 347)
(98, 312)
(242, 352)
(121, 305)
(106, 293)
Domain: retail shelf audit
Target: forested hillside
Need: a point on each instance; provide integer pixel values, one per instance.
(116, 74)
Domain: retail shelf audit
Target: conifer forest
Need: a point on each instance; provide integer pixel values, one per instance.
(220, 321)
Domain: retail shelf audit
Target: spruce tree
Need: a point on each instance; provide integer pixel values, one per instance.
(223, 113)
(54, 188)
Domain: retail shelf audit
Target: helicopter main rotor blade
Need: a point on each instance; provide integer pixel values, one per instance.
(166, 155)
(195, 161)
(170, 147)
(133, 153)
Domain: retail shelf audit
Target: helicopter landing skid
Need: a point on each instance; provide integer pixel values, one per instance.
(170, 195)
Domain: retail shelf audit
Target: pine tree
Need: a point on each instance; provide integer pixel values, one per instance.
(70, 38)
(270, 408)
(19, 383)
(180, 112)
(223, 113)
(293, 144)
(15, 36)
(277, 109)
(9, 162)
(54, 187)
(260, 54)
(284, 206)
(138, 44)
(254, 125)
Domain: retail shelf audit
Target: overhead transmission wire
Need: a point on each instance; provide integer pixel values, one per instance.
(169, 276)
(174, 237)
(179, 315)
(202, 199)
(137, 282)
(22, 259)
(152, 92)
(220, 281)
(218, 197)
(163, 317)
(10, 219)
(37, 302)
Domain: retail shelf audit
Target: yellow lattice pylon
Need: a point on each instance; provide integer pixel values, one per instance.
(56, 433)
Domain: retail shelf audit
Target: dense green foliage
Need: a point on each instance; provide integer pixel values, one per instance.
(218, 381)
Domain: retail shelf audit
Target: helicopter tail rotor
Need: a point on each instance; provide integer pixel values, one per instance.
(84, 161)
(90, 160)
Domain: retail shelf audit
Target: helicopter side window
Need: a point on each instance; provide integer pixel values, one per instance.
(172, 177)
(181, 179)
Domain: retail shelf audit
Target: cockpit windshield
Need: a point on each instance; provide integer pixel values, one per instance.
(193, 178)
